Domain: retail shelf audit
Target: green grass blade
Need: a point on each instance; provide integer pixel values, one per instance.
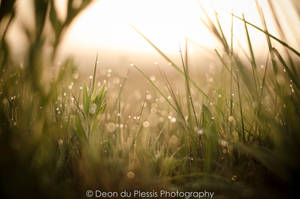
(270, 35)
(86, 100)
(94, 75)
(290, 73)
(170, 61)
(253, 60)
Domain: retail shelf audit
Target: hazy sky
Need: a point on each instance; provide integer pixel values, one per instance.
(166, 22)
(104, 26)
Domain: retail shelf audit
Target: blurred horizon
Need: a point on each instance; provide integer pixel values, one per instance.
(104, 27)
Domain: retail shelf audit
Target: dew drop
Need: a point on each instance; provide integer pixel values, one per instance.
(146, 124)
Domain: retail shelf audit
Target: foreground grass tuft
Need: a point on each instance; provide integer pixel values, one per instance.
(62, 134)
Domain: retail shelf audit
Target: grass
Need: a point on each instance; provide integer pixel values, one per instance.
(237, 137)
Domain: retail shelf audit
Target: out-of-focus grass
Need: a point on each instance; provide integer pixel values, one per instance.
(237, 135)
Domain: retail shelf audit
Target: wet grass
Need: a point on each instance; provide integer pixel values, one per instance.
(236, 134)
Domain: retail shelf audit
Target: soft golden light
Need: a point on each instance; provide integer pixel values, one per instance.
(168, 22)
(106, 24)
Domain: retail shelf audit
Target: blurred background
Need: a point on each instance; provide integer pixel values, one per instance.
(105, 27)
(209, 102)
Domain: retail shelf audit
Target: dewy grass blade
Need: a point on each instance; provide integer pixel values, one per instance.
(178, 106)
(270, 46)
(290, 73)
(187, 82)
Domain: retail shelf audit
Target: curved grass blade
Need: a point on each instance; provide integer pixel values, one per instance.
(270, 35)
(170, 61)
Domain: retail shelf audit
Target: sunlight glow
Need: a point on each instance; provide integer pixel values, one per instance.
(106, 24)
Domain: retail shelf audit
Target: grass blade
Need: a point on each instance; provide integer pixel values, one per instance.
(170, 61)
(270, 35)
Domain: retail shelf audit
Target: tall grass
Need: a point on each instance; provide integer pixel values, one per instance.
(237, 136)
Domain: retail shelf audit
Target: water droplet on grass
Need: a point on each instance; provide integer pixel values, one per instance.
(146, 124)
(234, 178)
(223, 143)
(153, 110)
(200, 132)
(148, 97)
(153, 78)
(173, 120)
(231, 118)
(111, 127)
(130, 175)
(93, 108)
(60, 142)
(76, 76)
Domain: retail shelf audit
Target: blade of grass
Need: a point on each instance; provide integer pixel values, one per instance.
(186, 84)
(94, 75)
(263, 20)
(231, 35)
(212, 27)
(170, 61)
(263, 85)
(231, 75)
(241, 109)
(253, 60)
(290, 73)
(190, 103)
(225, 43)
(282, 35)
(222, 60)
(179, 109)
(270, 35)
